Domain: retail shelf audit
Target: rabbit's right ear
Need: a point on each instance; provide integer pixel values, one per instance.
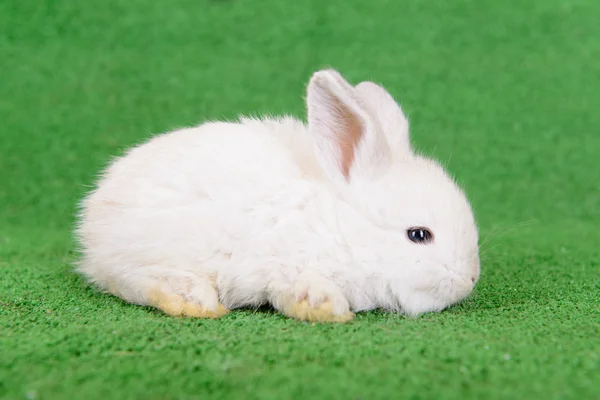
(349, 140)
(389, 115)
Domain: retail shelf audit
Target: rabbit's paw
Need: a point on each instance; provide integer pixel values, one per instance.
(318, 301)
(177, 306)
(322, 313)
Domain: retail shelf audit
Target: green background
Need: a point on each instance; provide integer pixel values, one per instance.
(505, 93)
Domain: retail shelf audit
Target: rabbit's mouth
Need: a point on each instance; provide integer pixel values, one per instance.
(436, 295)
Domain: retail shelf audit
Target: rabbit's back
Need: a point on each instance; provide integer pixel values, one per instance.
(211, 160)
(174, 199)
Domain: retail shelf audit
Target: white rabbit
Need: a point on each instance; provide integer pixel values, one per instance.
(320, 221)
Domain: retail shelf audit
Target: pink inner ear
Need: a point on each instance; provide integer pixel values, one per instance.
(348, 136)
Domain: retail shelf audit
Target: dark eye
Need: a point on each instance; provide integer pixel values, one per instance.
(420, 235)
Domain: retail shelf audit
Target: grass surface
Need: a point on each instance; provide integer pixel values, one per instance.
(506, 93)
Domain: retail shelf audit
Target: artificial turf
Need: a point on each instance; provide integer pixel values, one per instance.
(505, 93)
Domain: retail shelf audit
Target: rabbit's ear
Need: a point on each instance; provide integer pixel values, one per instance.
(348, 137)
(389, 115)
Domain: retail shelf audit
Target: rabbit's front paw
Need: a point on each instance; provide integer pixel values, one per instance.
(318, 300)
(322, 313)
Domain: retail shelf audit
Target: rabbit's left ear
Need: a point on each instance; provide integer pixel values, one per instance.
(349, 139)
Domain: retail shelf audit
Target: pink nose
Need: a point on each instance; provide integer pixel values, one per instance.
(475, 276)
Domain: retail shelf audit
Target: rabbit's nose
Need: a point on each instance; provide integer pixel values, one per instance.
(475, 272)
(475, 277)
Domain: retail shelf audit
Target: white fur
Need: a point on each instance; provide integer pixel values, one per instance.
(262, 208)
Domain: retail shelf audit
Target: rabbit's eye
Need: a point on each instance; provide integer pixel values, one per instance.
(420, 235)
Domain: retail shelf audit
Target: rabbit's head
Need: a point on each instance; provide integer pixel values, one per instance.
(422, 225)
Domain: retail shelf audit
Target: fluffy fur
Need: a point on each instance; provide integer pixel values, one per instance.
(312, 219)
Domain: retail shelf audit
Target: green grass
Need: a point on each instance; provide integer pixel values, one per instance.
(506, 93)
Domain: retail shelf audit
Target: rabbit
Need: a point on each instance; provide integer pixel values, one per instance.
(321, 220)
